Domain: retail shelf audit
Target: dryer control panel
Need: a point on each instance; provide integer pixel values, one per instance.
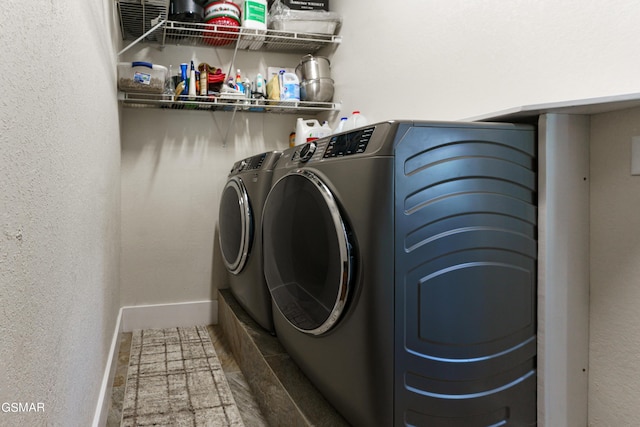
(334, 146)
(251, 163)
(345, 144)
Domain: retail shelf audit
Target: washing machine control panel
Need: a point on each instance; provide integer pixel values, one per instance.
(345, 144)
(252, 163)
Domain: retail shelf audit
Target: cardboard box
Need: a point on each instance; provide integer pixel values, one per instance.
(307, 4)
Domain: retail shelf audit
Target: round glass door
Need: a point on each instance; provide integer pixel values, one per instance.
(236, 225)
(307, 253)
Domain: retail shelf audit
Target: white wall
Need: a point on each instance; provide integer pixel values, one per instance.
(174, 167)
(614, 379)
(450, 59)
(59, 207)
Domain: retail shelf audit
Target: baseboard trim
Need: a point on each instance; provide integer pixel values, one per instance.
(104, 399)
(182, 314)
(156, 316)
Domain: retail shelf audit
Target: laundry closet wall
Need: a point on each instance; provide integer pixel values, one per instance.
(174, 167)
(59, 208)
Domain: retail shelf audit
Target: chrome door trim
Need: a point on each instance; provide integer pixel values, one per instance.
(238, 264)
(344, 247)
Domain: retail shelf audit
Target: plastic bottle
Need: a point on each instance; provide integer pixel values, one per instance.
(326, 129)
(192, 82)
(290, 87)
(184, 77)
(292, 139)
(320, 131)
(239, 85)
(355, 120)
(340, 126)
(260, 85)
(170, 87)
(254, 14)
(204, 81)
(304, 129)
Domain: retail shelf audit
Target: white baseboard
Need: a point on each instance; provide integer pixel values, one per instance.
(148, 317)
(169, 315)
(104, 399)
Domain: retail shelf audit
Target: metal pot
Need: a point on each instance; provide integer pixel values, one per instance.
(313, 67)
(317, 90)
(186, 11)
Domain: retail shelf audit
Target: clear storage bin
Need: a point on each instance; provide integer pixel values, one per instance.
(142, 77)
(284, 18)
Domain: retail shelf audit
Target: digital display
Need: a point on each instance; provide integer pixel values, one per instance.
(348, 143)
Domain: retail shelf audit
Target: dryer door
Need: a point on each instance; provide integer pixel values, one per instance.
(307, 253)
(236, 225)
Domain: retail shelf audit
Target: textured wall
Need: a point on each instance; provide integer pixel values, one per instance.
(174, 167)
(614, 381)
(458, 58)
(59, 207)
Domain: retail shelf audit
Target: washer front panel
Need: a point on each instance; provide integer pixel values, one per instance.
(236, 225)
(307, 252)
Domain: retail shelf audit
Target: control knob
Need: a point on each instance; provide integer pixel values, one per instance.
(307, 151)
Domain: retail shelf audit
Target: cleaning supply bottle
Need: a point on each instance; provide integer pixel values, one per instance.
(292, 138)
(326, 129)
(239, 85)
(254, 14)
(305, 129)
(184, 76)
(340, 126)
(192, 82)
(355, 120)
(260, 85)
(204, 81)
(289, 86)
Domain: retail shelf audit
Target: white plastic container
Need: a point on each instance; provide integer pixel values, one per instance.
(254, 24)
(289, 87)
(306, 129)
(320, 131)
(340, 126)
(254, 14)
(142, 77)
(308, 21)
(355, 120)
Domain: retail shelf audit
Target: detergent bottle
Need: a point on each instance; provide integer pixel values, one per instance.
(306, 129)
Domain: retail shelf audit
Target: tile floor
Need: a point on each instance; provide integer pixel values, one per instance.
(278, 394)
(249, 409)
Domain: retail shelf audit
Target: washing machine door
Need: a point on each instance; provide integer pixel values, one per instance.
(307, 252)
(236, 225)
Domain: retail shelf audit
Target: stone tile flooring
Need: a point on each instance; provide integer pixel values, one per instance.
(279, 393)
(249, 409)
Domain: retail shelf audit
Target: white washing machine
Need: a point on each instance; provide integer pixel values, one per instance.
(240, 236)
(401, 259)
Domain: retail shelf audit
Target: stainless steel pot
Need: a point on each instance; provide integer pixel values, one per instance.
(313, 67)
(317, 90)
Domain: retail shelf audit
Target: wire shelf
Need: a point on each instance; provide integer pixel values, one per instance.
(139, 17)
(220, 103)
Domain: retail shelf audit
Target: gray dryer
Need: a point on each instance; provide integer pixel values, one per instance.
(401, 259)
